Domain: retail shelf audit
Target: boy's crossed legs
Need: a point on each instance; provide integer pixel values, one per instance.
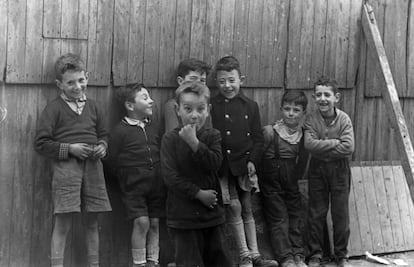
(145, 241)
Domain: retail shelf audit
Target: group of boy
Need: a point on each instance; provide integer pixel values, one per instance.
(212, 155)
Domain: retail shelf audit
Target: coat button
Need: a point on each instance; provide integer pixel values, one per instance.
(246, 116)
(248, 134)
(228, 132)
(248, 153)
(226, 100)
(228, 151)
(227, 116)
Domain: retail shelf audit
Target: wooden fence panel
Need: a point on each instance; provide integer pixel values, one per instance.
(3, 37)
(410, 51)
(152, 42)
(318, 42)
(241, 15)
(34, 43)
(182, 31)
(212, 37)
(198, 22)
(226, 28)
(254, 35)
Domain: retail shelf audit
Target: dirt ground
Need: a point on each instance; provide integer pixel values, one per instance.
(408, 257)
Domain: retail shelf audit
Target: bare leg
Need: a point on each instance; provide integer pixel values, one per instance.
(153, 247)
(63, 223)
(139, 239)
(92, 238)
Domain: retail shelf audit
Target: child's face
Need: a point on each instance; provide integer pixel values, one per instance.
(193, 109)
(292, 114)
(73, 83)
(193, 76)
(325, 99)
(228, 83)
(142, 107)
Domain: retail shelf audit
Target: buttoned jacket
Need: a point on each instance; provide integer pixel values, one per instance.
(238, 120)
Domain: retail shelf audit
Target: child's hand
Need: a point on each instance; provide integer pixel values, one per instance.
(188, 134)
(251, 169)
(207, 197)
(80, 150)
(99, 151)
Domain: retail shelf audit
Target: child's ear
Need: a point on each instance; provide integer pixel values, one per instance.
(242, 78)
(176, 107)
(128, 106)
(337, 97)
(209, 109)
(86, 75)
(180, 80)
(59, 84)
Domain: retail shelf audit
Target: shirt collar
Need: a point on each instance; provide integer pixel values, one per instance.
(240, 95)
(135, 122)
(67, 99)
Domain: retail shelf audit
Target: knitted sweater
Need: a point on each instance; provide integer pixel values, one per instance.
(329, 142)
(60, 126)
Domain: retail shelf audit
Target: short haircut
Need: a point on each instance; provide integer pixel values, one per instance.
(327, 81)
(228, 63)
(296, 97)
(192, 64)
(197, 88)
(127, 93)
(67, 62)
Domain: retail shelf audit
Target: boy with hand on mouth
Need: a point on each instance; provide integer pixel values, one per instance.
(190, 159)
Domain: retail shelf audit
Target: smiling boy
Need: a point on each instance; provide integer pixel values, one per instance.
(190, 159)
(71, 132)
(134, 155)
(329, 137)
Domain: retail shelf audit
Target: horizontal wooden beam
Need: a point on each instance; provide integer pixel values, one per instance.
(390, 95)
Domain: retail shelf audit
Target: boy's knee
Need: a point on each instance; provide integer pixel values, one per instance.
(141, 223)
(154, 224)
(234, 210)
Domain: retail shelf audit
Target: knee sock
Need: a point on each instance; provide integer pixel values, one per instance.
(240, 237)
(138, 255)
(250, 230)
(56, 262)
(93, 260)
(153, 247)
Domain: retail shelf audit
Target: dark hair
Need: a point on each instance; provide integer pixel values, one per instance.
(228, 63)
(197, 88)
(296, 97)
(192, 64)
(67, 62)
(128, 92)
(327, 81)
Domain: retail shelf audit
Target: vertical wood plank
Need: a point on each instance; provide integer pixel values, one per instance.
(198, 22)
(254, 35)
(373, 72)
(294, 30)
(212, 37)
(83, 12)
(260, 95)
(16, 41)
(402, 199)
(241, 15)
(69, 27)
(372, 205)
(305, 53)
(332, 24)
(319, 39)
(395, 219)
(3, 37)
(366, 142)
(280, 44)
(182, 30)
(34, 42)
(152, 43)
(51, 52)
(383, 212)
(92, 42)
(355, 244)
(137, 40)
(361, 207)
(347, 103)
(103, 53)
(395, 34)
(354, 42)
(122, 32)
(52, 18)
(226, 27)
(274, 99)
(341, 37)
(268, 41)
(410, 51)
(167, 69)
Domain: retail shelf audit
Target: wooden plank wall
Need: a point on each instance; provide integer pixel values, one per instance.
(280, 44)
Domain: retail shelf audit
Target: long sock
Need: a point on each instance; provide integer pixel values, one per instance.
(56, 262)
(250, 230)
(240, 237)
(153, 247)
(138, 255)
(93, 260)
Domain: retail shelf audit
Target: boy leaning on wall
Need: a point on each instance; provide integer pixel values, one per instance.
(71, 133)
(329, 137)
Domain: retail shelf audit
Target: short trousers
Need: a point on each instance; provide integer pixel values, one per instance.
(143, 191)
(79, 185)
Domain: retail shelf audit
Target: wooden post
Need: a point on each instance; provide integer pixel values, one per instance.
(390, 95)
